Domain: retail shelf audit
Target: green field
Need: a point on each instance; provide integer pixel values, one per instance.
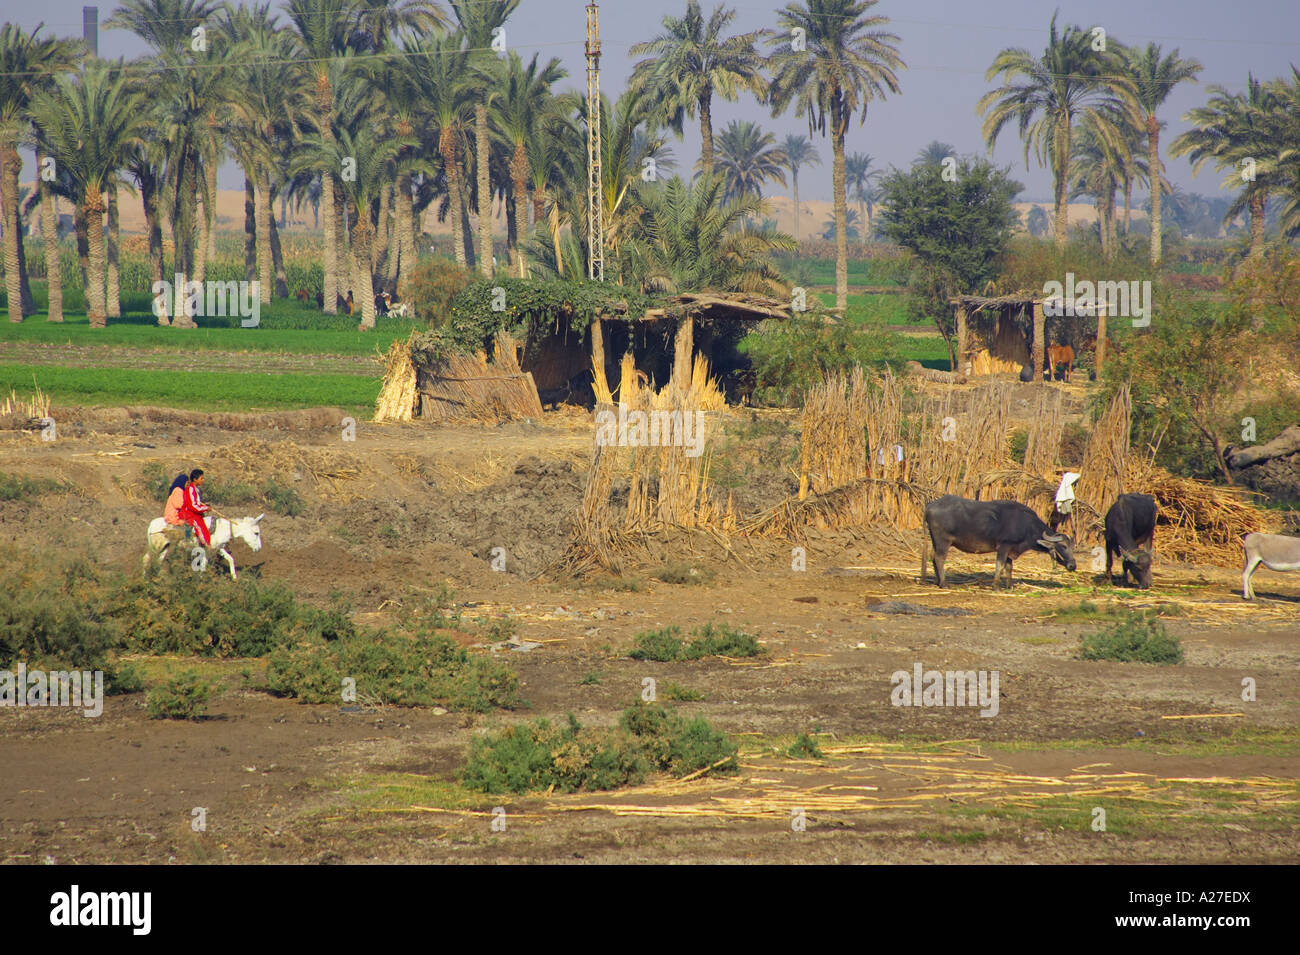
(195, 390)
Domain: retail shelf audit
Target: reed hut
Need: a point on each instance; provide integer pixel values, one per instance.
(1001, 334)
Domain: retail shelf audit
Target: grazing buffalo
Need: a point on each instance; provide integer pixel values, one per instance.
(982, 527)
(578, 387)
(1130, 534)
(1274, 551)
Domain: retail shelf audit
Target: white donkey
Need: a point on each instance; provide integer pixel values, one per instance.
(1274, 551)
(162, 535)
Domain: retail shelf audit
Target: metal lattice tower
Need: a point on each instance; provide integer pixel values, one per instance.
(595, 220)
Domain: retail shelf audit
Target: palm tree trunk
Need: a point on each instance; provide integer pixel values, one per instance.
(399, 265)
(483, 168)
(706, 132)
(250, 228)
(383, 231)
(1128, 204)
(467, 234)
(1112, 222)
(113, 293)
(347, 264)
(211, 220)
(331, 245)
(1153, 173)
(83, 243)
(520, 173)
(361, 255)
(204, 226)
(794, 177)
(94, 206)
(277, 263)
(10, 164)
(1103, 230)
(1257, 222)
(262, 222)
(1061, 174)
(50, 237)
(153, 228)
(838, 125)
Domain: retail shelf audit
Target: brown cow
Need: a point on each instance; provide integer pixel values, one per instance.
(1060, 355)
(302, 295)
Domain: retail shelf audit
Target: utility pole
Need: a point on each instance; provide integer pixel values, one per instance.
(595, 218)
(90, 29)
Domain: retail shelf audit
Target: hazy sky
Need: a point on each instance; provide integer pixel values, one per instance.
(947, 48)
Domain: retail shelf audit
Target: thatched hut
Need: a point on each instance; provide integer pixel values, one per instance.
(1003, 333)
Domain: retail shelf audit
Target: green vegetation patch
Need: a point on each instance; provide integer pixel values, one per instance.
(566, 756)
(667, 645)
(17, 487)
(183, 697)
(1138, 638)
(421, 669)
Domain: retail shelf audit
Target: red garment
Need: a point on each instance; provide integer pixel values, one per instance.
(192, 511)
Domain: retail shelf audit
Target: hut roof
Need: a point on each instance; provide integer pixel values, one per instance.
(720, 306)
(1022, 300)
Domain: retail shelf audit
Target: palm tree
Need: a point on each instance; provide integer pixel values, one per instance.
(798, 152)
(851, 222)
(1097, 169)
(525, 104)
(859, 179)
(437, 72)
(89, 124)
(321, 30)
(1236, 131)
(748, 157)
(847, 62)
(1046, 95)
(1287, 137)
(691, 61)
(378, 22)
(479, 21)
(185, 92)
(373, 150)
(1154, 77)
(272, 104)
(934, 153)
(26, 61)
(691, 238)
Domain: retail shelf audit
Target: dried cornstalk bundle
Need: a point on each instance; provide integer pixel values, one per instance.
(397, 399)
(1105, 464)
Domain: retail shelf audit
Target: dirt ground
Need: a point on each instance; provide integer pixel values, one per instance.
(404, 510)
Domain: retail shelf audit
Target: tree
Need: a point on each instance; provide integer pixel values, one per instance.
(934, 153)
(797, 152)
(748, 157)
(1233, 131)
(1098, 171)
(1046, 95)
(90, 123)
(480, 20)
(26, 62)
(958, 231)
(852, 226)
(321, 31)
(839, 62)
(1154, 77)
(691, 61)
(526, 104)
(1036, 222)
(860, 179)
(691, 238)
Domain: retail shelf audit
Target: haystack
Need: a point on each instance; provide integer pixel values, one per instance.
(397, 399)
(459, 386)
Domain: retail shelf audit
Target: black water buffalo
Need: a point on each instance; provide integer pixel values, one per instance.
(1130, 534)
(982, 527)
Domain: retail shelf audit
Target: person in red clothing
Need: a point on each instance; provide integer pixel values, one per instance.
(192, 510)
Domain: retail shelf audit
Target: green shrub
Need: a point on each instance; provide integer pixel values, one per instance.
(681, 573)
(16, 487)
(805, 747)
(426, 669)
(667, 645)
(430, 287)
(662, 646)
(569, 757)
(184, 697)
(683, 694)
(1138, 638)
(175, 609)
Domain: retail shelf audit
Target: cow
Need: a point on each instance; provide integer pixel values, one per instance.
(1274, 551)
(303, 296)
(1060, 355)
(981, 527)
(578, 386)
(381, 303)
(1130, 535)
